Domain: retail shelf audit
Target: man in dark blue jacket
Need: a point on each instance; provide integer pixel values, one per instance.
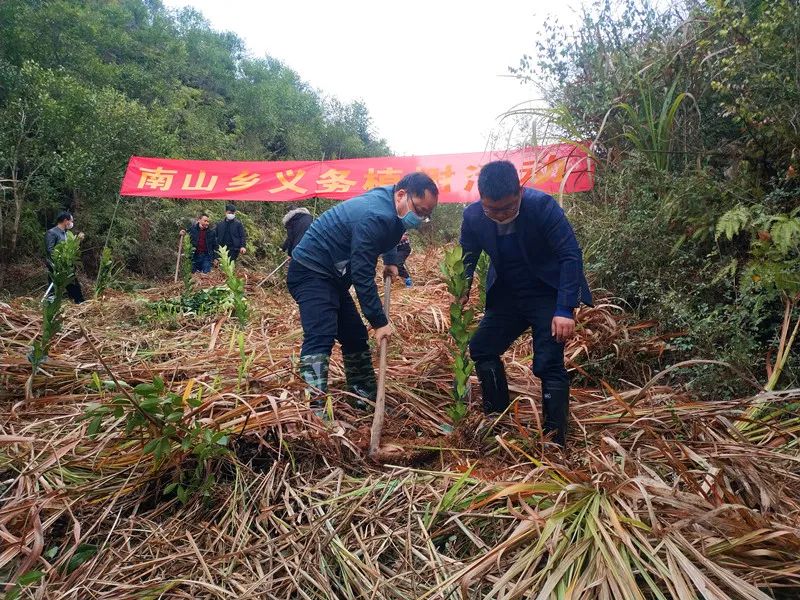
(341, 249)
(535, 281)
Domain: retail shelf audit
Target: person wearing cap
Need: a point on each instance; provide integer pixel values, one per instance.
(231, 233)
(341, 250)
(535, 281)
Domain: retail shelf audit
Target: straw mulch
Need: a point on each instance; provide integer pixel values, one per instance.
(661, 494)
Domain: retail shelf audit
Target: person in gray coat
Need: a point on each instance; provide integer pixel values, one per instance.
(54, 236)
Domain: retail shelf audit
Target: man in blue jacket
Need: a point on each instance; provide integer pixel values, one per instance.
(535, 281)
(341, 249)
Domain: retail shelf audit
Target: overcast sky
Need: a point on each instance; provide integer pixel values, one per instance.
(434, 73)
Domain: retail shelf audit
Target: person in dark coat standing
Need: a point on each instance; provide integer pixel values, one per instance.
(204, 242)
(231, 233)
(403, 252)
(296, 221)
(535, 281)
(52, 238)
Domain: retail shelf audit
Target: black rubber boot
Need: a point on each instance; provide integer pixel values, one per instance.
(314, 371)
(360, 377)
(494, 386)
(555, 411)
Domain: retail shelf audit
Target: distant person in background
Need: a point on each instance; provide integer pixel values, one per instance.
(403, 252)
(231, 233)
(296, 221)
(204, 242)
(53, 238)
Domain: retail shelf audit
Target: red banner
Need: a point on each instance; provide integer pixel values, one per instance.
(559, 167)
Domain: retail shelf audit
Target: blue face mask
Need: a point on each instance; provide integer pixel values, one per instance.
(411, 220)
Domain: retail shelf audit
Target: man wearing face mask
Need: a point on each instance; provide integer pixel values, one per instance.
(535, 281)
(52, 238)
(231, 233)
(341, 249)
(204, 242)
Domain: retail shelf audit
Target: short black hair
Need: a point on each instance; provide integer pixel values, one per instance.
(416, 184)
(230, 207)
(63, 216)
(203, 214)
(498, 180)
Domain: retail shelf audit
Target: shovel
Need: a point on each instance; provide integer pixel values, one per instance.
(275, 270)
(180, 253)
(380, 398)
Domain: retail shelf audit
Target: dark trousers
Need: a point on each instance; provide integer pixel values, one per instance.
(75, 292)
(327, 311)
(73, 288)
(402, 271)
(233, 251)
(201, 263)
(507, 317)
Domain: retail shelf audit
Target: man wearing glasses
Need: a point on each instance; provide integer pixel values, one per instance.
(341, 249)
(535, 282)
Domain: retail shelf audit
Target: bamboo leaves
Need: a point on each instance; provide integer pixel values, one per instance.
(461, 320)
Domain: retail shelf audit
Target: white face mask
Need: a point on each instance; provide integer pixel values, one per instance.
(230, 216)
(508, 220)
(70, 225)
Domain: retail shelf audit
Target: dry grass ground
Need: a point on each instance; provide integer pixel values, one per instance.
(660, 495)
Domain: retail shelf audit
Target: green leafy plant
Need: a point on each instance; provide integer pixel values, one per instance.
(774, 245)
(460, 329)
(65, 260)
(107, 274)
(25, 581)
(482, 269)
(82, 554)
(649, 126)
(772, 265)
(165, 424)
(200, 303)
(238, 303)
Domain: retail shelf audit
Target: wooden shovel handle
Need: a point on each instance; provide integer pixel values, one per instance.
(180, 253)
(380, 397)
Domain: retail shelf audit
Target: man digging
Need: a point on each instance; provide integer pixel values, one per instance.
(341, 249)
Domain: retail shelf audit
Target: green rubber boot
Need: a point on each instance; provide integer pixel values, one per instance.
(360, 377)
(314, 371)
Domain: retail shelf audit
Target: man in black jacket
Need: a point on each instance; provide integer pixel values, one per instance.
(204, 242)
(231, 233)
(296, 221)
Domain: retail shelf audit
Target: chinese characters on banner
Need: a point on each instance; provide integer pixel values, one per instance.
(548, 168)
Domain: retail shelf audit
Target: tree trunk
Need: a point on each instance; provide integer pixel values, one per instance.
(18, 198)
